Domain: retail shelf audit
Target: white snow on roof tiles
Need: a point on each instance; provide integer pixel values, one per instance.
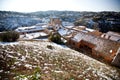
(114, 38)
(91, 30)
(77, 37)
(68, 26)
(64, 32)
(28, 29)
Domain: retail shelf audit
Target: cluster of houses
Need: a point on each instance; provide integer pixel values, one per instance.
(101, 45)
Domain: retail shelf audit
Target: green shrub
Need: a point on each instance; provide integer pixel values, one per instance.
(49, 46)
(56, 38)
(35, 76)
(9, 36)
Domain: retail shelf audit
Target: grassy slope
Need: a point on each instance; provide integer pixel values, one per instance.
(34, 60)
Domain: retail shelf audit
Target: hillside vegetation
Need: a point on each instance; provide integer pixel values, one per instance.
(42, 60)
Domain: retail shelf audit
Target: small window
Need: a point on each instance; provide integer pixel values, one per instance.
(109, 37)
(73, 43)
(111, 51)
(118, 40)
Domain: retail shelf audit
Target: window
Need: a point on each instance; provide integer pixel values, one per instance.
(118, 40)
(73, 43)
(111, 51)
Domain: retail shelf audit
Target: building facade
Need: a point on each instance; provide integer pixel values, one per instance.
(96, 46)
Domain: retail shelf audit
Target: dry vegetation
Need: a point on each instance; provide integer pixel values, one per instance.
(40, 60)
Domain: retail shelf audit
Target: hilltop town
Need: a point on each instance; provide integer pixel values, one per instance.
(83, 52)
(80, 38)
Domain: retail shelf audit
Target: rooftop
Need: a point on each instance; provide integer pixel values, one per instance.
(102, 45)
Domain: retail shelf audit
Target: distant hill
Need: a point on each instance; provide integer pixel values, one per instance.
(12, 20)
(105, 20)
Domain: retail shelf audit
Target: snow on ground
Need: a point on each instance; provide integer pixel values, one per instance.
(55, 62)
(9, 43)
(42, 39)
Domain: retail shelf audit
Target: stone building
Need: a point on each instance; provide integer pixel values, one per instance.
(105, 49)
(111, 36)
(55, 22)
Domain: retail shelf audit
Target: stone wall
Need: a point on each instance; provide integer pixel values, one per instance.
(106, 57)
(116, 60)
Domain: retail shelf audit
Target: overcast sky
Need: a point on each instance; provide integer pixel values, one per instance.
(74, 5)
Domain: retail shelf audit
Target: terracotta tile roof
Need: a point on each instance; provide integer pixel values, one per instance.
(102, 45)
(113, 35)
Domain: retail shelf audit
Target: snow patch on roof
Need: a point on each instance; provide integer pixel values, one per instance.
(91, 30)
(64, 32)
(29, 29)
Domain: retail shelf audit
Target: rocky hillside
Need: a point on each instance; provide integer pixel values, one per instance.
(12, 20)
(102, 21)
(43, 60)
